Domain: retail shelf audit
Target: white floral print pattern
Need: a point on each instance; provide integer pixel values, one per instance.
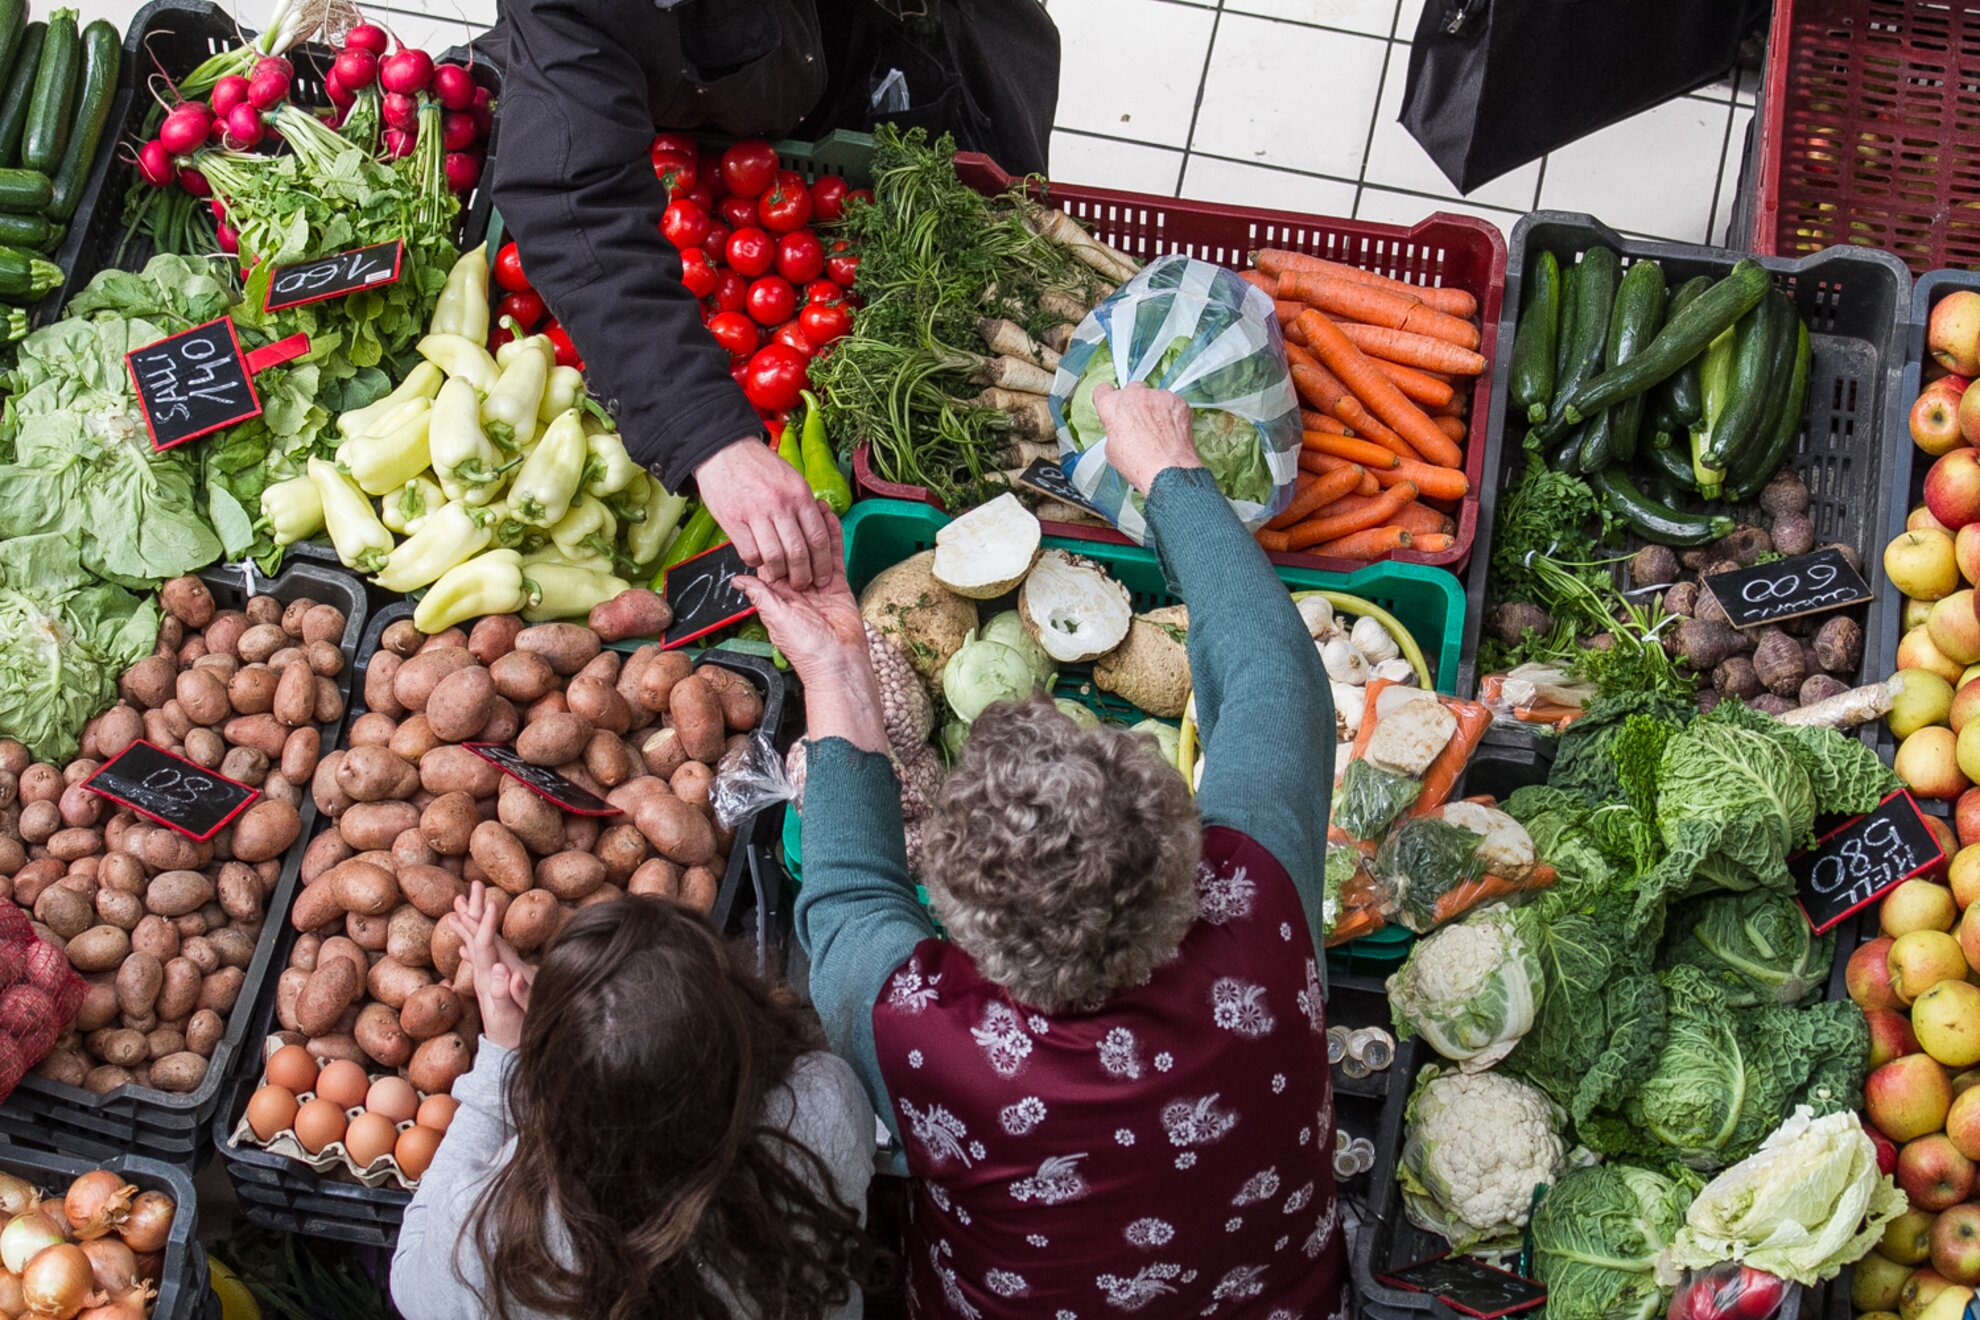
(1186, 1160)
(1119, 1055)
(1037, 1239)
(1124, 1136)
(1149, 1233)
(1001, 1037)
(1280, 1245)
(1140, 1288)
(940, 1132)
(1299, 1200)
(1019, 1119)
(1197, 1122)
(939, 1195)
(1234, 1223)
(914, 1058)
(951, 1286)
(1006, 1284)
(1240, 1006)
(1312, 1002)
(1278, 1083)
(1056, 1182)
(976, 1151)
(1164, 1061)
(1323, 1230)
(1285, 931)
(1258, 1187)
(1240, 1282)
(1224, 896)
(909, 993)
(1039, 1026)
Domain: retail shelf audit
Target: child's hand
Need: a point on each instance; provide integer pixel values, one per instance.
(501, 981)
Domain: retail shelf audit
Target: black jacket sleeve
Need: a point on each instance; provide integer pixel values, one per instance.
(574, 185)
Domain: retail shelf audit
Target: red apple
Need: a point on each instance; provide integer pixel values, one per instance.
(1952, 487)
(1969, 413)
(1935, 424)
(1943, 833)
(1953, 333)
(1886, 1149)
(1869, 975)
(1956, 1244)
(1950, 384)
(1963, 1122)
(1934, 1174)
(1890, 1036)
(1920, 519)
(1907, 1098)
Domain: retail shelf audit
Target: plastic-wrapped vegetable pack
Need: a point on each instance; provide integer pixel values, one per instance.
(1200, 332)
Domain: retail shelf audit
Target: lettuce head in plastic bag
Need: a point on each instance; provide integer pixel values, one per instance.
(1200, 332)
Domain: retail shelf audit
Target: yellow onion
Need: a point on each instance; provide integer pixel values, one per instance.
(149, 1223)
(113, 1264)
(57, 1282)
(96, 1203)
(12, 1300)
(17, 1197)
(132, 1305)
(24, 1236)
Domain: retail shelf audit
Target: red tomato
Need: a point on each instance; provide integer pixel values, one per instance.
(828, 197)
(509, 271)
(684, 224)
(681, 144)
(823, 291)
(749, 167)
(560, 340)
(703, 196)
(731, 291)
(775, 377)
(750, 252)
(734, 332)
(860, 195)
(677, 173)
(825, 321)
(800, 256)
(697, 272)
(738, 371)
(787, 206)
(716, 241)
(526, 307)
(772, 300)
(843, 265)
(791, 335)
(1759, 1296)
(499, 336)
(737, 212)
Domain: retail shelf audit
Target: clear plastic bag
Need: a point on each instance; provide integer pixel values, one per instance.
(750, 777)
(1533, 695)
(1201, 332)
(1728, 1292)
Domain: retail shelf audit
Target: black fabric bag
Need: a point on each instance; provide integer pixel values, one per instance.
(1494, 84)
(986, 71)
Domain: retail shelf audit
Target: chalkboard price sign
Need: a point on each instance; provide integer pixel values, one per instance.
(333, 277)
(702, 593)
(1469, 1286)
(543, 781)
(171, 790)
(193, 383)
(1051, 480)
(1803, 584)
(1851, 865)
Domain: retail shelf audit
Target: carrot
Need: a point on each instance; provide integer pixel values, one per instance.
(1457, 407)
(1312, 498)
(1328, 527)
(1276, 261)
(1423, 351)
(1434, 482)
(1353, 370)
(1373, 306)
(1313, 421)
(1369, 544)
(1420, 519)
(1453, 427)
(1472, 719)
(1365, 452)
(1324, 392)
(1261, 280)
(1432, 543)
(1419, 387)
(1312, 460)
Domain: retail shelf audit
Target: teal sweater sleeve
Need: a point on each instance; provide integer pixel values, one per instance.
(1264, 712)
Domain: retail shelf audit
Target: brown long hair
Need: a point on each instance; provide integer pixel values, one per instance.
(644, 1172)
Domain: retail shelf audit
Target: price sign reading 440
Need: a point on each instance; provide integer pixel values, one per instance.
(1853, 864)
(333, 277)
(193, 383)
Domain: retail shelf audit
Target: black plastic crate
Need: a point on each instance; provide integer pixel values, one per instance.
(289, 1196)
(182, 1283)
(1857, 304)
(163, 1124)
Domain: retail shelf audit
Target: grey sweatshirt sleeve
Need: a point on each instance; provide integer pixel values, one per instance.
(1264, 712)
(424, 1281)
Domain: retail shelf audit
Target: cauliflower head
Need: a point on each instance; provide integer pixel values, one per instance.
(1476, 1145)
(1471, 989)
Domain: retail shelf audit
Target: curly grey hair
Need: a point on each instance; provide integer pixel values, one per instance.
(1062, 859)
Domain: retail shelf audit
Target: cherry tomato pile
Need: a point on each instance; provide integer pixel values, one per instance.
(773, 292)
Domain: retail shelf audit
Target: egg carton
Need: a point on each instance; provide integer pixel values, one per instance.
(334, 1157)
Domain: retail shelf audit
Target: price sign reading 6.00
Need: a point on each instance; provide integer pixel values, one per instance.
(1852, 865)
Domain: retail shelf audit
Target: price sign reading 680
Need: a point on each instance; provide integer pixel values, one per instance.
(1851, 865)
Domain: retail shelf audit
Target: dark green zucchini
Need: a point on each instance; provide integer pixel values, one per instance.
(1564, 333)
(1665, 458)
(1653, 521)
(1594, 296)
(1773, 452)
(1682, 389)
(30, 233)
(25, 191)
(1682, 339)
(50, 108)
(1748, 383)
(1639, 311)
(102, 51)
(22, 274)
(19, 91)
(1532, 373)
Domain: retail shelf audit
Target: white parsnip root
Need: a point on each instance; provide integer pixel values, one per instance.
(1013, 373)
(1008, 337)
(1062, 229)
(1030, 414)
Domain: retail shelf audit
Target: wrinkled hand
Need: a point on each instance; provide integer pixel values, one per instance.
(501, 980)
(1147, 432)
(776, 522)
(817, 627)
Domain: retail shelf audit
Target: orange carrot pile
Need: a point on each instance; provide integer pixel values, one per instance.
(1383, 371)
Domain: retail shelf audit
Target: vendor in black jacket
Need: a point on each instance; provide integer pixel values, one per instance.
(586, 84)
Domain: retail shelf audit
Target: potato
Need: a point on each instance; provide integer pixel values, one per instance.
(380, 681)
(379, 1035)
(251, 691)
(239, 891)
(180, 1072)
(373, 825)
(522, 676)
(460, 704)
(392, 982)
(288, 990)
(299, 754)
(99, 1004)
(156, 936)
(429, 889)
(220, 989)
(604, 666)
(36, 876)
(409, 936)
(330, 990)
(699, 886)
(119, 727)
(119, 909)
(412, 849)
(429, 1012)
(676, 829)
(187, 600)
(329, 702)
(39, 821)
(179, 994)
(551, 703)
(657, 878)
(166, 851)
(41, 782)
(504, 722)
(161, 1041)
(64, 911)
(493, 637)
(595, 700)
(233, 945)
(448, 823)
(570, 875)
(199, 951)
(448, 944)
(176, 893)
(264, 733)
(363, 887)
(324, 659)
(581, 833)
(323, 623)
(532, 920)
(742, 707)
(265, 831)
(337, 946)
(148, 684)
(203, 1032)
(530, 817)
(125, 1048)
(205, 747)
(138, 982)
(567, 646)
(419, 676)
(657, 679)
(324, 851)
(693, 783)
(437, 1063)
(366, 931)
(697, 717)
(376, 774)
(295, 695)
(634, 612)
(246, 765)
(202, 695)
(12, 855)
(663, 752)
(501, 856)
(621, 848)
(553, 739)
(457, 770)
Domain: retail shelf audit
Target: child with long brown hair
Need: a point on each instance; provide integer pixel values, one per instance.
(648, 1131)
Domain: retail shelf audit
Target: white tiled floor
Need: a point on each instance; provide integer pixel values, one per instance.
(1291, 104)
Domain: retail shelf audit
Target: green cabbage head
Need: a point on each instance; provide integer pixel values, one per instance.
(1596, 1239)
(1471, 989)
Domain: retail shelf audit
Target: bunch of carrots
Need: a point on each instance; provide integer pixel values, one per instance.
(1380, 366)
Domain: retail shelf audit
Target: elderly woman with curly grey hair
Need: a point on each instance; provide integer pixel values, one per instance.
(1109, 1081)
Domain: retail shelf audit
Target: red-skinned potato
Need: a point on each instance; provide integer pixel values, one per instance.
(373, 825)
(331, 988)
(570, 875)
(392, 982)
(402, 639)
(635, 612)
(697, 717)
(299, 755)
(265, 830)
(494, 637)
(376, 774)
(379, 1035)
(448, 823)
(458, 770)
(371, 729)
(460, 704)
(429, 1012)
(621, 848)
(501, 856)
(523, 676)
(504, 722)
(414, 739)
(530, 817)
(324, 851)
(553, 739)
(532, 920)
(657, 680)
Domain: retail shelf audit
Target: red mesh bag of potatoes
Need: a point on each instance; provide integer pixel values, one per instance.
(39, 996)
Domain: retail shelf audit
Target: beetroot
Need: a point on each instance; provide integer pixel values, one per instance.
(463, 172)
(185, 129)
(228, 92)
(355, 70)
(194, 182)
(154, 164)
(367, 37)
(244, 127)
(399, 142)
(453, 87)
(407, 71)
(399, 111)
(457, 131)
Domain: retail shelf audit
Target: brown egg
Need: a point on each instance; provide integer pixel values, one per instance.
(318, 1123)
(342, 1083)
(415, 1150)
(292, 1067)
(437, 1111)
(370, 1136)
(392, 1097)
(271, 1109)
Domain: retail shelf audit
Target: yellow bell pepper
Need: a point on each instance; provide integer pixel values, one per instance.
(588, 529)
(422, 382)
(508, 414)
(292, 509)
(490, 583)
(361, 540)
(564, 390)
(462, 307)
(548, 480)
(406, 509)
(610, 468)
(648, 537)
(452, 535)
(383, 462)
(461, 359)
(466, 462)
(565, 592)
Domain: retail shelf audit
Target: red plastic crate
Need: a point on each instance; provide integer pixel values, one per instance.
(1451, 251)
(1870, 131)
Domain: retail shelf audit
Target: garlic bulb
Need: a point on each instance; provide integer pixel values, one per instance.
(1373, 641)
(1395, 669)
(1318, 616)
(1343, 661)
(1349, 703)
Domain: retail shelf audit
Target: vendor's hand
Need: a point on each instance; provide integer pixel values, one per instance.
(501, 980)
(1147, 432)
(764, 504)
